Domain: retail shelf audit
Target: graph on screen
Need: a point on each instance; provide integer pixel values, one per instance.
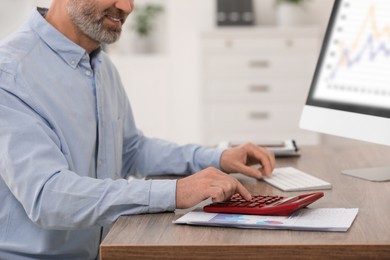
(356, 65)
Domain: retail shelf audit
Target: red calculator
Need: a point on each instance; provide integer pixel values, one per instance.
(264, 204)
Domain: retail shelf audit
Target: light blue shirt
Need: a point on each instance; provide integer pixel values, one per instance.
(68, 143)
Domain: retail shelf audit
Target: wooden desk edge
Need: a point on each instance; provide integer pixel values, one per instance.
(356, 251)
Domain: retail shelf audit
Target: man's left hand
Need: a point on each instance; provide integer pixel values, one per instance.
(240, 159)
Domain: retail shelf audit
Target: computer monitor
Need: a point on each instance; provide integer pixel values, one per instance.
(350, 91)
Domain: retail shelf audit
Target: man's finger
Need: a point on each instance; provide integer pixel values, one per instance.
(243, 191)
(250, 171)
(265, 157)
(218, 192)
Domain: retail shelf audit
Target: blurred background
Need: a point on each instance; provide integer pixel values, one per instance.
(214, 70)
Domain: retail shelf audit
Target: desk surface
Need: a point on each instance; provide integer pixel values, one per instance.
(153, 236)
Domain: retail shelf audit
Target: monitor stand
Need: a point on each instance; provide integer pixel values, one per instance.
(379, 174)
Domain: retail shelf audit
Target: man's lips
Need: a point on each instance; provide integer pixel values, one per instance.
(115, 19)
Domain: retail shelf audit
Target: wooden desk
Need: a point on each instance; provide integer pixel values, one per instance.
(155, 237)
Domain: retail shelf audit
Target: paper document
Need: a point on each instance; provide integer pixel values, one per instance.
(286, 148)
(322, 219)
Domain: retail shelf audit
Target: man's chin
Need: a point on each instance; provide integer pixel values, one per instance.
(110, 38)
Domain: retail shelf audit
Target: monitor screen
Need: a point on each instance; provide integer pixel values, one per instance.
(350, 91)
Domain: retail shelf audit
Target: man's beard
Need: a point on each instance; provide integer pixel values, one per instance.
(86, 17)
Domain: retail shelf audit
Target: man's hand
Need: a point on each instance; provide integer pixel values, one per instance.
(240, 158)
(208, 183)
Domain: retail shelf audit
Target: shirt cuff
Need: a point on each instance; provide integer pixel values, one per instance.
(207, 157)
(162, 196)
(217, 161)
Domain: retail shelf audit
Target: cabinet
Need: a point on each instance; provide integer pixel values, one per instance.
(255, 83)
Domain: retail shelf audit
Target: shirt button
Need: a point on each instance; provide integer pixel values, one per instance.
(88, 73)
(73, 62)
(100, 162)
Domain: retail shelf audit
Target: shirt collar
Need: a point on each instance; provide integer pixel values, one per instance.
(69, 51)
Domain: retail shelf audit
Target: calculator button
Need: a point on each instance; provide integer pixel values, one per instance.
(263, 205)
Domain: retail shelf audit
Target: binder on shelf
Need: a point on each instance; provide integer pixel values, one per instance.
(235, 12)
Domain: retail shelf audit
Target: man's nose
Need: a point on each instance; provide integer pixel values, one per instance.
(125, 5)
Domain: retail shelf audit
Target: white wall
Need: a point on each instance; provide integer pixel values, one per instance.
(178, 33)
(8, 20)
(14, 12)
(318, 11)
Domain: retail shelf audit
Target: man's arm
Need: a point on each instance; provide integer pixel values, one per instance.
(143, 156)
(38, 176)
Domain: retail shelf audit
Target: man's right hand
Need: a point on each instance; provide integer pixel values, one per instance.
(207, 183)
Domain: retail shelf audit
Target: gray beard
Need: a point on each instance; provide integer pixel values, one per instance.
(92, 26)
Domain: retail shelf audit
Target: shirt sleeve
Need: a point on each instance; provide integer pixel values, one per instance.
(37, 174)
(154, 157)
(143, 156)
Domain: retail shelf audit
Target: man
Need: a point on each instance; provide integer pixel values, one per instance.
(68, 141)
